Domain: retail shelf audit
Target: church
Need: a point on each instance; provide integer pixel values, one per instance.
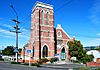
(45, 40)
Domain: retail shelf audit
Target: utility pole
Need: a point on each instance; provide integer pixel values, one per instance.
(16, 31)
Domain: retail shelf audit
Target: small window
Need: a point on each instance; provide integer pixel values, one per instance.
(48, 33)
(59, 34)
(42, 17)
(47, 18)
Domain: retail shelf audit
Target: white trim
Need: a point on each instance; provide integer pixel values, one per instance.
(46, 31)
(44, 45)
(44, 5)
(43, 11)
(44, 41)
(63, 45)
(43, 37)
(47, 25)
(48, 12)
(59, 27)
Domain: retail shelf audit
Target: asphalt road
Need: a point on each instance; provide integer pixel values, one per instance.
(8, 66)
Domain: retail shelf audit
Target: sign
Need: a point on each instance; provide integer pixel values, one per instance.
(57, 55)
(28, 51)
(16, 51)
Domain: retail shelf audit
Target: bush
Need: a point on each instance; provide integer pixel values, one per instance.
(15, 62)
(98, 69)
(44, 60)
(25, 64)
(1, 59)
(54, 60)
(85, 68)
(35, 64)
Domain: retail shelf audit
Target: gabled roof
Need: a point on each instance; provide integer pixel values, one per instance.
(59, 27)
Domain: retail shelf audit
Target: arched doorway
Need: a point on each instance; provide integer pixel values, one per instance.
(63, 54)
(45, 51)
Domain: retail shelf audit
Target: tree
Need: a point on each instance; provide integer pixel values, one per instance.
(87, 58)
(26, 45)
(19, 50)
(76, 50)
(9, 50)
(98, 48)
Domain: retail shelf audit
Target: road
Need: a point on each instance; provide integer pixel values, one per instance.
(8, 66)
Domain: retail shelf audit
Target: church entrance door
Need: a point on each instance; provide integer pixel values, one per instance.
(63, 54)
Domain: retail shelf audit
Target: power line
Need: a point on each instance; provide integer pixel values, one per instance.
(62, 6)
(45, 1)
(85, 36)
(50, 1)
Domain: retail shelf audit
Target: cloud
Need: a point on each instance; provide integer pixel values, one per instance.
(95, 12)
(8, 34)
(98, 34)
(7, 26)
(94, 42)
(24, 30)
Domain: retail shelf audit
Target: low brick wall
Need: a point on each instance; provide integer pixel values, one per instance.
(93, 64)
(98, 60)
(26, 61)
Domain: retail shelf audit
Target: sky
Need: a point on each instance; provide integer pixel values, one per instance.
(79, 18)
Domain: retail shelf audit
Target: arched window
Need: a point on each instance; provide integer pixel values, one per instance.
(42, 17)
(59, 34)
(47, 18)
(45, 51)
(63, 50)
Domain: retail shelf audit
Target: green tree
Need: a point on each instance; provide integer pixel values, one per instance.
(98, 48)
(76, 50)
(26, 45)
(87, 58)
(9, 50)
(19, 50)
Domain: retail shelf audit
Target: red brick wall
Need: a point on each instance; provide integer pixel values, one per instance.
(65, 38)
(46, 39)
(92, 64)
(98, 60)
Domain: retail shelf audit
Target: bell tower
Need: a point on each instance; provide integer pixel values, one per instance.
(42, 31)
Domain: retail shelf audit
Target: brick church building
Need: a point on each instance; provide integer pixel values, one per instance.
(45, 40)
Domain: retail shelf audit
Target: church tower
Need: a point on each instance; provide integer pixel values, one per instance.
(42, 31)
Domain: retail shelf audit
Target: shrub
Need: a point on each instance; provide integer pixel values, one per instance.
(25, 64)
(44, 60)
(85, 68)
(98, 69)
(35, 64)
(53, 60)
(15, 62)
(1, 59)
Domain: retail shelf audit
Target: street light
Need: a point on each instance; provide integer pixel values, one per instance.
(16, 31)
